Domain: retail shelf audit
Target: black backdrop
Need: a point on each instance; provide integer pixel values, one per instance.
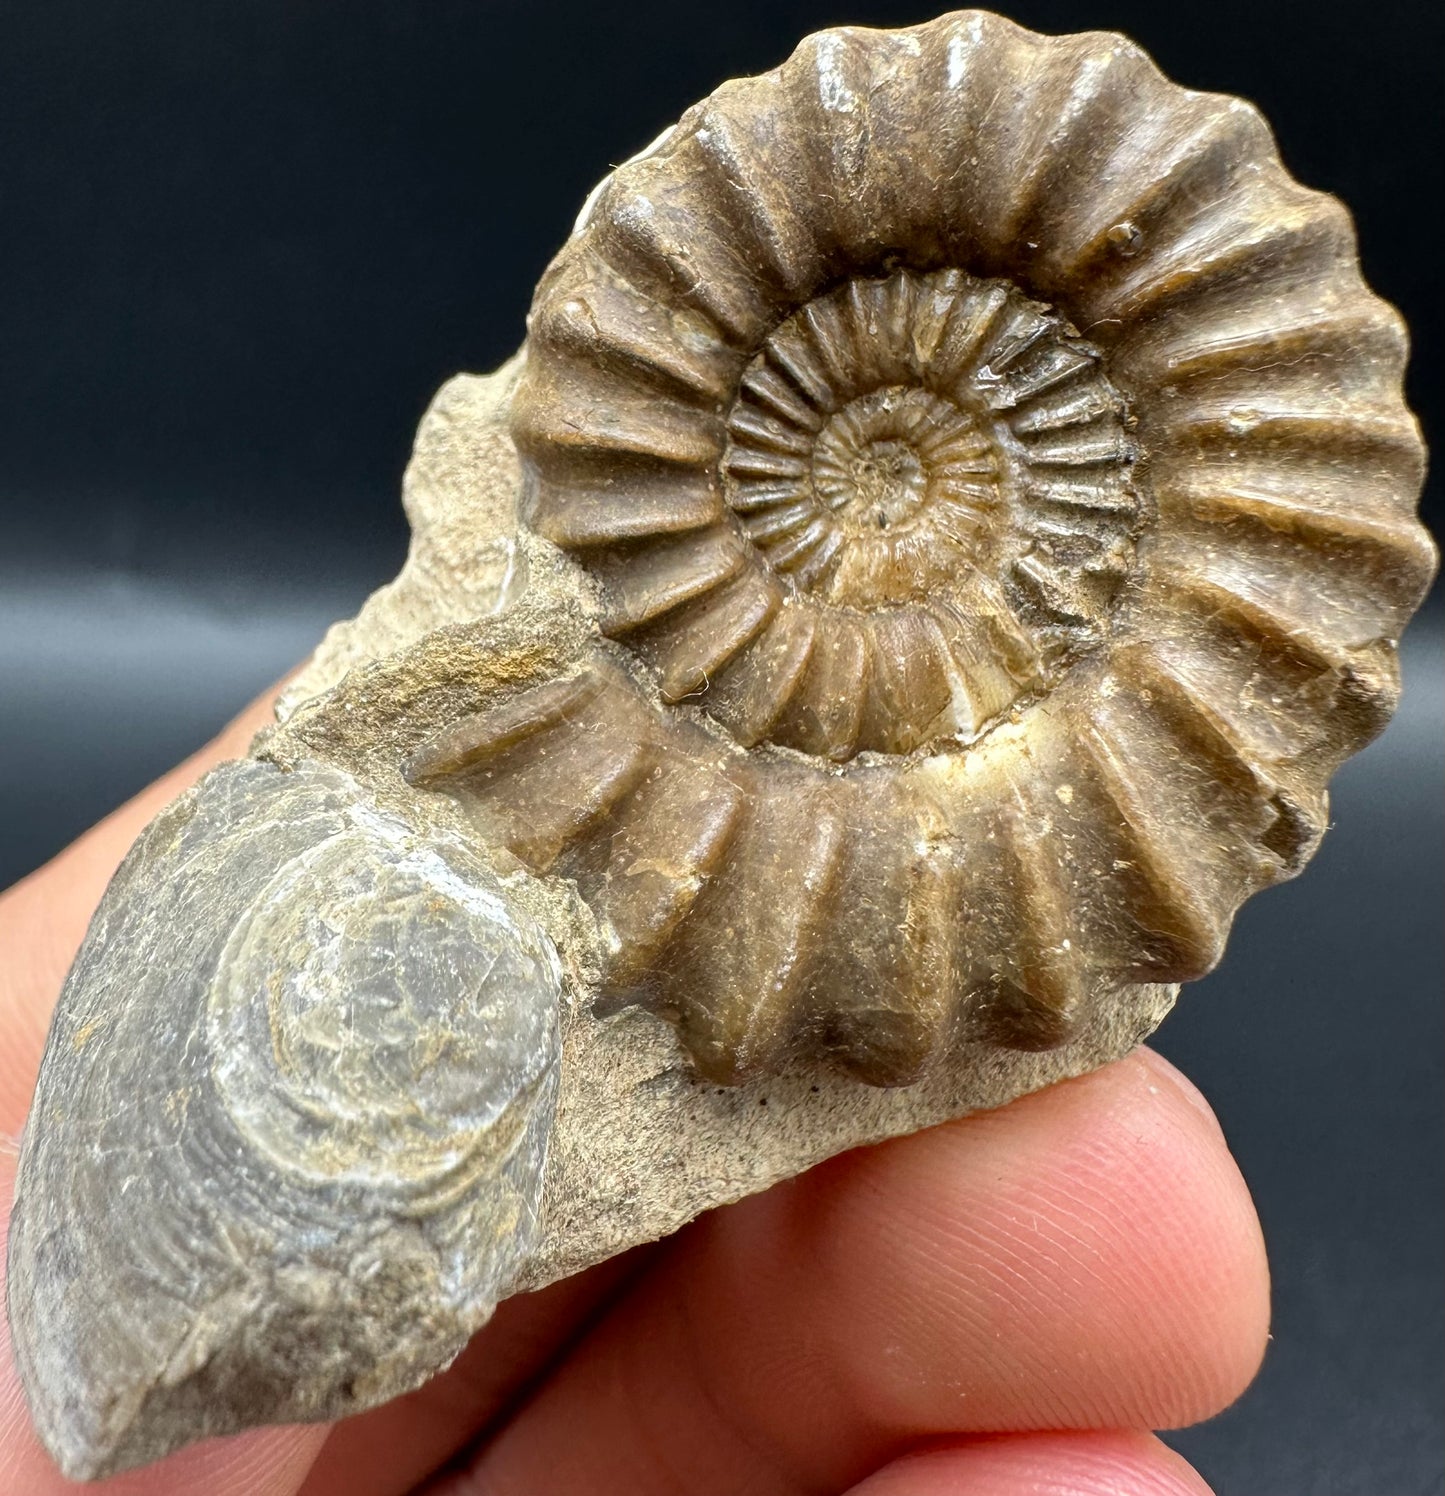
(240, 245)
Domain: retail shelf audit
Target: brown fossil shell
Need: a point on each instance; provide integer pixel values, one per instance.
(998, 485)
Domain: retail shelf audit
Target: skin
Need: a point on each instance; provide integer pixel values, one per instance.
(1002, 1306)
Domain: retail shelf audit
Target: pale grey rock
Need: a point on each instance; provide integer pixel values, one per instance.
(464, 562)
(288, 1143)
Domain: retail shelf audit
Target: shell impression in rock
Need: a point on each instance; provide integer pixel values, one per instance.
(996, 479)
(287, 1147)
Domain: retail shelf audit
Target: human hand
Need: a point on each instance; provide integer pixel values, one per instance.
(998, 1306)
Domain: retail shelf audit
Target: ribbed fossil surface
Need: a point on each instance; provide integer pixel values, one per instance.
(997, 479)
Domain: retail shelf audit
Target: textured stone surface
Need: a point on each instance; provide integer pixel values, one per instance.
(289, 1136)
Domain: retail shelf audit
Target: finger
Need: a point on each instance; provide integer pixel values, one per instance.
(270, 1462)
(44, 916)
(1062, 1464)
(1085, 1258)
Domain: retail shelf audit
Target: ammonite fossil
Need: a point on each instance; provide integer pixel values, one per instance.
(953, 514)
(990, 438)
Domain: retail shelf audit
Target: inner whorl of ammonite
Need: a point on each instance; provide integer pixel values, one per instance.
(938, 461)
(896, 490)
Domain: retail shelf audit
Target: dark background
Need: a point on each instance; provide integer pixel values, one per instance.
(240, 246)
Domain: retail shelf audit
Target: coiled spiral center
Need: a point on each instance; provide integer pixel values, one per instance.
(941, 446)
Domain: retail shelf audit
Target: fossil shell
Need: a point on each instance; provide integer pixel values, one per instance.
(1000, 494)
(322, 1106)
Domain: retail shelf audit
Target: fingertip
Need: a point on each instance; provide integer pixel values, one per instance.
(1162, 1072)
(1062, 1464)
(1208, 1244)
(1140, 1149)
(1087, 1257)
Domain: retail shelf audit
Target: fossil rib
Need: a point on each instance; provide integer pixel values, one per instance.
(805, 393)
(952, 516)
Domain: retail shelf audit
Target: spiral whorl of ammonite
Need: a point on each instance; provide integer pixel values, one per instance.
(935, 463)
(926, 514)
(1003, 450)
